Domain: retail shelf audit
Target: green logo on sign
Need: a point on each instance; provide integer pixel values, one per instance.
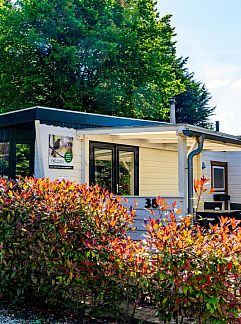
(68, 157)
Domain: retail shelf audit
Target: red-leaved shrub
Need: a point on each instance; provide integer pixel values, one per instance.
(64, 242)
(56, 240)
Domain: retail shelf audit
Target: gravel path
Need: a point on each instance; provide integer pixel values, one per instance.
(13, 315)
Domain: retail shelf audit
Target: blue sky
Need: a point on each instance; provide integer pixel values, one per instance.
(209, 33)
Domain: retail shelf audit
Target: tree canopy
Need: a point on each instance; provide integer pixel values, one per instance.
(113, 57)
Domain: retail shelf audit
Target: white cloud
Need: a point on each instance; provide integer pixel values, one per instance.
(228, 108)
(213, 69)
(237, 84)
(215, 84)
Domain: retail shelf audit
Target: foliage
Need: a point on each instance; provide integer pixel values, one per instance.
(197, 273)
(56, 240)
(199, 186)
(193, 105)
(109, 56)
(62, 242)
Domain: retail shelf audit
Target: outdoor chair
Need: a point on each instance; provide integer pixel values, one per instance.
(212, 205)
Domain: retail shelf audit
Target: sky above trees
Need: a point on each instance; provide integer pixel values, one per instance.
(209, 32)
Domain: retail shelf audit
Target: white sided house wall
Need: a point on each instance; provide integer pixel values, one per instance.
(234, 176)
(158, 168)
(158, 172)
(234, 172)
(158, 176)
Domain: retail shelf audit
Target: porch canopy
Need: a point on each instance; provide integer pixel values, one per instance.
(167, 136)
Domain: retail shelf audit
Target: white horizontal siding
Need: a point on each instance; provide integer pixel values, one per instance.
(139, 203)
(234, 176)
(234, 172)
(158, 172)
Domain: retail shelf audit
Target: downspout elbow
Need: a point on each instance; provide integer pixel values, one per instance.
(200, 140)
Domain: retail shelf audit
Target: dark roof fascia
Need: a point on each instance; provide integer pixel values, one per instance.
(18, 117)
(72, 117)
(223, 138)
(48, 115)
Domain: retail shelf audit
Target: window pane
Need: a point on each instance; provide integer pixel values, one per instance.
(126, 173)
(22, 160)
(4, 160)
(219, 178)
(103, 167)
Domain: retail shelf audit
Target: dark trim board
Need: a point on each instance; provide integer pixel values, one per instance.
(225, 166)
(12, 164)
(70, 119)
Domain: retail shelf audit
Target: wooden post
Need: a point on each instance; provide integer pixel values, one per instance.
(85, 159)
(182, 170)
(39, 151)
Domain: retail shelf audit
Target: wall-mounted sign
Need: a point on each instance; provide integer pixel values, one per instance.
(60, 152)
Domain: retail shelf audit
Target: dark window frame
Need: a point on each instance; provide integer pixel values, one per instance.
(223, 165)
(115, 162)
(9, 154)
(13, 157)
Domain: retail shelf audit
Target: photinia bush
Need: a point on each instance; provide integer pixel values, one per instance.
(61, 242)
(197, 272)
(56, 239)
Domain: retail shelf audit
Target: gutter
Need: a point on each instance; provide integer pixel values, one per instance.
(218, 137)
(200, 141)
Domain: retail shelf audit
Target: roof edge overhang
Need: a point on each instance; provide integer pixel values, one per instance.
(176, 130)
(213, 136)
(48, 114)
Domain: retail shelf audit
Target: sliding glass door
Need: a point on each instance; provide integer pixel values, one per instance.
(115, 167)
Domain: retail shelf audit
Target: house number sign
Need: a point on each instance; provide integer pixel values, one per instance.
(151, 203)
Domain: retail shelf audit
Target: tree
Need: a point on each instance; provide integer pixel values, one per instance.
(107, 56)
(192, 106)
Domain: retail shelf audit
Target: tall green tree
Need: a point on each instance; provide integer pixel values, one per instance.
(107, 56)
(193, 105)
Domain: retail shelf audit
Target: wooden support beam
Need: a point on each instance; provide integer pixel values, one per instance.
(182, 170)
(39, 151)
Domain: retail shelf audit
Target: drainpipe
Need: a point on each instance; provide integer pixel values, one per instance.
(200, 141)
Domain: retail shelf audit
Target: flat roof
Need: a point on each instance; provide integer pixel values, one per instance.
(70, 119)
(167, 134)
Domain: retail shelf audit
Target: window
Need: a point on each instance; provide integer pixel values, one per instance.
(103, 168)
(219, 176)
(23, 160)
(4, 160)
(115, 167)
(16, 159)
